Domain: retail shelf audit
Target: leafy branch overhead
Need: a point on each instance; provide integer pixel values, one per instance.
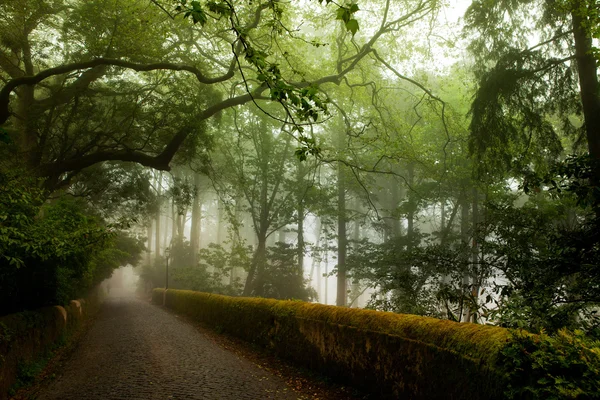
(230, 49)
(302, 103)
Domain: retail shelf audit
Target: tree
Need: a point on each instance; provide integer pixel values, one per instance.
(256, 162)
(76, 102)
(528, 93)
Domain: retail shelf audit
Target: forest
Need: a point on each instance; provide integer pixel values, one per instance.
(437, 158)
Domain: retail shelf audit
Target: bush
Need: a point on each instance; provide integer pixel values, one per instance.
(562, 366)
(52, 251)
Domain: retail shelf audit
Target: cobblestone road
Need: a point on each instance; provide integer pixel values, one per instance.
(138, 351)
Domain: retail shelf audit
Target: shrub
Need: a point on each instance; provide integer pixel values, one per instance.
(562, 366)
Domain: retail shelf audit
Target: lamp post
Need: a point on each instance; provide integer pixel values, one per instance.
(167, 254)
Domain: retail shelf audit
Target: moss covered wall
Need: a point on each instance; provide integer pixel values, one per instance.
(27, 336)
(392, 355)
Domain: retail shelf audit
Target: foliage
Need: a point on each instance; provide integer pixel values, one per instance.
(116, 191)
(562, 366)
(416, 276)
(282, 278)
(548, 251)
(574, 175)
(305, 103)
(214, 269)
(213, 273)
(53, 251)
(532, 96)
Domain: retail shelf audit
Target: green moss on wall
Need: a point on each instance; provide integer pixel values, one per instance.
(392, 355)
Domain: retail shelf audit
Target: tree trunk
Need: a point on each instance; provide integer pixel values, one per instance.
(341, 299)
(181, 218)
(254, 280)
(449, 224)
(410, 217)
(442, 216)
(235, 231)
(196, 218)
(158, 183)
(165, 239)
(588, 79)
(149, 243)
(221, 221)
(395, 199)
(472, 315)
(300, 217)
(316, 264)
(464, 237)
(173, 220)
(355, 290)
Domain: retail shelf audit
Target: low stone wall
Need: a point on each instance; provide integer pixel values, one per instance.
(28, 335)
(387, 354)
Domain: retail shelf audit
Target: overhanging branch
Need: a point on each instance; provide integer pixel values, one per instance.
(63, 69)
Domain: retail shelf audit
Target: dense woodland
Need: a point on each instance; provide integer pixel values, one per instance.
(401, 157)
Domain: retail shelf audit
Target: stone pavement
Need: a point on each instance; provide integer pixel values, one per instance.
(138, 351)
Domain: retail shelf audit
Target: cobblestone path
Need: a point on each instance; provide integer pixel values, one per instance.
(138, 351)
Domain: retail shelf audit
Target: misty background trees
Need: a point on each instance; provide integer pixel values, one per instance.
(386, 154)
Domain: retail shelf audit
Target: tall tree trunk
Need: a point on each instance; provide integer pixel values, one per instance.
(442, 216)
(300, 211)
(235, 230)
(341, 299)
(355, 238)
(316, 263)
(158, 183)
(396, 195)
(464, 237)
(165, 239)
(255, 279)
(449, 224)
(149, 231)
(196, 218)
(173, 221)
(221, 220)
(472, 315)
(181, 218)
(587, 70)
(410, 217)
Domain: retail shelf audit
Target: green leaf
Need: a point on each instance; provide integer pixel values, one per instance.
(343, 14)
(301, 154)
(352, 26)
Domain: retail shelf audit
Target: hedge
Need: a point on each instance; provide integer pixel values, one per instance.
(27, 336)
(389, 355)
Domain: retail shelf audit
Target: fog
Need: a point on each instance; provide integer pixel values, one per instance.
(421, 157)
